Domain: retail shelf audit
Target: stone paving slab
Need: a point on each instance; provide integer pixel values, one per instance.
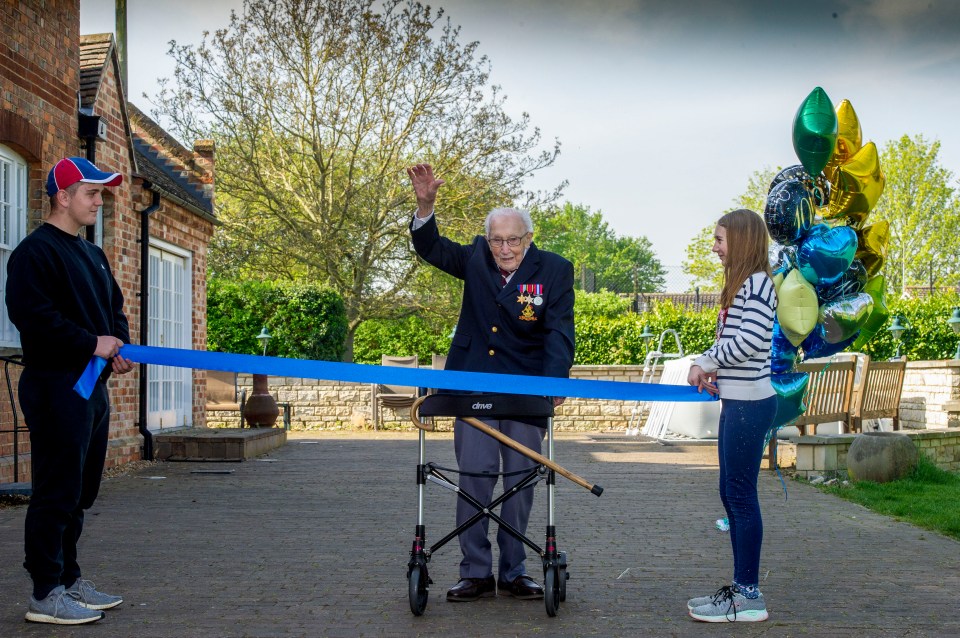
(312, 540)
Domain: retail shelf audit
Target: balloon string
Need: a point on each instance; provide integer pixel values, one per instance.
(773, 431)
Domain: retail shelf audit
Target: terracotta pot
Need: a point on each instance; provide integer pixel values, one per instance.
(261, 409)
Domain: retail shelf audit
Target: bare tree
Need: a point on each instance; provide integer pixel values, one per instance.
(316, 107)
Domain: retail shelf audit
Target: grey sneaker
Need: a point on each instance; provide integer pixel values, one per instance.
(699, 601)
(87, 596)
(731, 606)
(60, 608)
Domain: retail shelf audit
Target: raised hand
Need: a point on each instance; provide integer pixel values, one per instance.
(425, 187)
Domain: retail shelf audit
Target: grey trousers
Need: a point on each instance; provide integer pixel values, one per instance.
(478, 452)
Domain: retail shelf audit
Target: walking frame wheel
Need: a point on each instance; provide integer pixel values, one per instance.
(551, 590)
(419, 590)
(563, 576)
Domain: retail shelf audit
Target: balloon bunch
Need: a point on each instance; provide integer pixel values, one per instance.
(825, 258)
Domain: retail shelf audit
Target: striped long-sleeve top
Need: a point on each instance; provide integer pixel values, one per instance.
(741, 354)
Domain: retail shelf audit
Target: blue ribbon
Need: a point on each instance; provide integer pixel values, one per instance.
(426, 378)
(88, 380)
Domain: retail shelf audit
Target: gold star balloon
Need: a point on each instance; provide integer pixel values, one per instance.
(872, 246)
(849, 138)
(857, 185)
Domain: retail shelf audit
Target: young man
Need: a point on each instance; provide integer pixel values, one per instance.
(64, 300)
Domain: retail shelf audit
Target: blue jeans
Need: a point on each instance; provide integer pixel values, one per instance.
(743, 429)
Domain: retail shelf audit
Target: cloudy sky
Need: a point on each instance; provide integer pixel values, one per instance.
(665, 107)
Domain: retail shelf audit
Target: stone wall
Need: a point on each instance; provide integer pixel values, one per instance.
(324, 405)
(927, 387)
(826, 455)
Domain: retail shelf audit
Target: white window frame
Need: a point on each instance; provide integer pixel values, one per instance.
(156, 419)
(14, 174)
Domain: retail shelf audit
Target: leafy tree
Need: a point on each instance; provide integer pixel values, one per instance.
(923, 210)
(619, 264)
(758, 185)
(316, 107)
(700, 263)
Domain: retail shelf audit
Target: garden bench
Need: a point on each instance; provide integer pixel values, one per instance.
(835, 394)
(828, 398)
(829, 395)
(878, 396)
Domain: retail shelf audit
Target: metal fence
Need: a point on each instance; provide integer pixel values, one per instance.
(677, 288)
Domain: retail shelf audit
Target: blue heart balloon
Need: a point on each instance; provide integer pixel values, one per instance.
(789, 212)
(825, 255)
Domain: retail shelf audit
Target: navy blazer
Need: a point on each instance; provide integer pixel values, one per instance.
(504, 330)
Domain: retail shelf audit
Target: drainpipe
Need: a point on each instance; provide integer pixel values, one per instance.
(144, 309)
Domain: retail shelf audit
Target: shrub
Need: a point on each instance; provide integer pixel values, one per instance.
(928, 336)
(400, 337)
(608, 333)
(605, 340)
(305, 320)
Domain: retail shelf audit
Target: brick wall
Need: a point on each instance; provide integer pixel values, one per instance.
(39, 80)
(175, 225)
(39, 70)
(121, 229)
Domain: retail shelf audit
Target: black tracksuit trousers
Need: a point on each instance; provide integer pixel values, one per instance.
(68, 441)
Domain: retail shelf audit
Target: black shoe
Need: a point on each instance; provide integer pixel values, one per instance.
(522, 587)
(470, 589)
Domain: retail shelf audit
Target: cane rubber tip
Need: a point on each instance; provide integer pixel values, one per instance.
(596, 489)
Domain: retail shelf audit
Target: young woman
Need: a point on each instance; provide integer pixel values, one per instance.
(737, 367)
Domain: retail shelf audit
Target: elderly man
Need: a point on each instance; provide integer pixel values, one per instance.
(64, 300)
(516, 318)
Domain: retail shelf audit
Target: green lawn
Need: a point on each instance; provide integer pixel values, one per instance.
(929, 498)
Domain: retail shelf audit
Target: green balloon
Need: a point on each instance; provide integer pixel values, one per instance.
(815, 131)
(878, 316)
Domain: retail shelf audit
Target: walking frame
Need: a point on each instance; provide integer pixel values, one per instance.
(467, 407)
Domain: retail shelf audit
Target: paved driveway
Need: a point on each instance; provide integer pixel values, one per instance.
(312, 540)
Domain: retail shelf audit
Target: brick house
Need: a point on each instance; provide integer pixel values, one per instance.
(62, 94)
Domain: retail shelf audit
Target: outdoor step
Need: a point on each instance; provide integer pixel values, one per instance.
(216, 444)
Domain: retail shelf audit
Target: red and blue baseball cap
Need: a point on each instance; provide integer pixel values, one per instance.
(71, 170)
